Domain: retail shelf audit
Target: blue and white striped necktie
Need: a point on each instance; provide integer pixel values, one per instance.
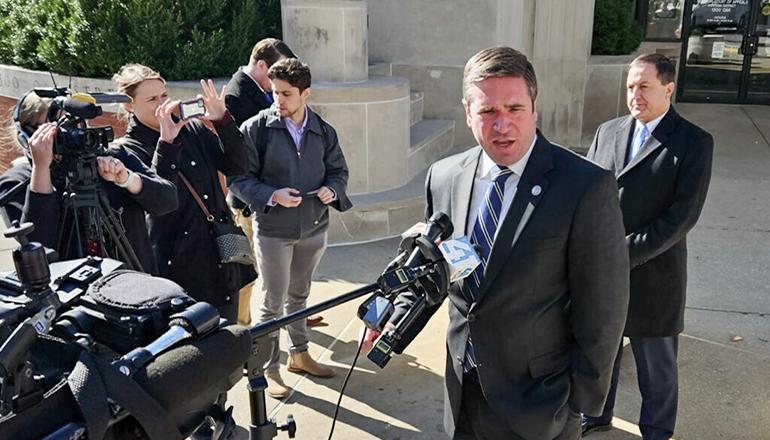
(484, 230)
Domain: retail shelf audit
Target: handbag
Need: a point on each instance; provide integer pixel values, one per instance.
(232, 243)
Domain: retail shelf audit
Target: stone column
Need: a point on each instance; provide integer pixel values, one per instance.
(561, 47)
(329, 35)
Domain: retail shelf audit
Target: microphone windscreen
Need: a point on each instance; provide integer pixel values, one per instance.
(186, 380)
(81, 109)
(442, 221)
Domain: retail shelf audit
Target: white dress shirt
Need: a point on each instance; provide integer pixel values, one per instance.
(485, 173)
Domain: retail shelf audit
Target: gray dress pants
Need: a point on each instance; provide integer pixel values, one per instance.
(286, 267)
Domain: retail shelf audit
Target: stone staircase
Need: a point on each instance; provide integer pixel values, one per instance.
(385, 214)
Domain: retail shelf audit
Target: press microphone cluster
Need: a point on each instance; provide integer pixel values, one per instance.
(426, 265)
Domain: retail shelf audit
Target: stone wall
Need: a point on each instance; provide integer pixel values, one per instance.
(429, 42)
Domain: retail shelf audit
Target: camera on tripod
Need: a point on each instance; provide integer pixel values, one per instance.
(70, 111)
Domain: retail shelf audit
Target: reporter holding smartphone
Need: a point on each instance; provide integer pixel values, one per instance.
(183, 241)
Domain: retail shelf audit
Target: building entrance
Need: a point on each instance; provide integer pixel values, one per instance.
(725, 52)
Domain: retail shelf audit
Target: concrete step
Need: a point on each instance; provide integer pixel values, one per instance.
(430, 139)
(416, 106)
(382, 215)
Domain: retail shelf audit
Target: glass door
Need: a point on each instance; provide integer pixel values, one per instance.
(713, 59)
(726, 51)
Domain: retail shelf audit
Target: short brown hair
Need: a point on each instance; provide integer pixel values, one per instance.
(663, 65)
(270, 50)
(293, 71)
(497, 62)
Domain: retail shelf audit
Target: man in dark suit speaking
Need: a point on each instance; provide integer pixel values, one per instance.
(534, 330)
(663, 166)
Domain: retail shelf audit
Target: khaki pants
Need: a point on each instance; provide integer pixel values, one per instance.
(244, 296)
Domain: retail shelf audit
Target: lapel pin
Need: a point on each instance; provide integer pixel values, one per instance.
(536, 190)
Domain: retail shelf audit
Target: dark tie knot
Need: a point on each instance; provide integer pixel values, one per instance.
(502, 173)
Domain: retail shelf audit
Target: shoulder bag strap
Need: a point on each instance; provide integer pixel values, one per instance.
(209, 217)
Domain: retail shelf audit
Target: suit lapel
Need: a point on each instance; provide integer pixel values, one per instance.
(462, 188)
(532, 185)
(622, 143)
(658, 138)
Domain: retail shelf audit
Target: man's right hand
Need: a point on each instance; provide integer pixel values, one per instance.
(287, 197)
(41, 145)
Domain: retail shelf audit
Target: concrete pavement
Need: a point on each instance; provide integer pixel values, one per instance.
(724, 352)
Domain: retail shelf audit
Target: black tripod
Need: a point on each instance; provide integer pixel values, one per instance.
(87, 215)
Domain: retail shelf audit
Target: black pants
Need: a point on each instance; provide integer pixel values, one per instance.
(478, 421)
(656, 368)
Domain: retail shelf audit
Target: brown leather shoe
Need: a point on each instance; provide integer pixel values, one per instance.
(303, 363)
(314, 320)
(276, 388)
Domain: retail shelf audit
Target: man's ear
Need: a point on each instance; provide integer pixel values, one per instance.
(670, 87)
(306, 93)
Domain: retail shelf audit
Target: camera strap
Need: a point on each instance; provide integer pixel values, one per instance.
(94, 380)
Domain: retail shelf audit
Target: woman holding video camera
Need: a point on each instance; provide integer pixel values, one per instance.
(131, 188)
(183, 241)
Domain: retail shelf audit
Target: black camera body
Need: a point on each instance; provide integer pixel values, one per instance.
(73, 137)
(144, 331)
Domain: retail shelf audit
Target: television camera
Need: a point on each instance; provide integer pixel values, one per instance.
(88, 350)
(88, 226)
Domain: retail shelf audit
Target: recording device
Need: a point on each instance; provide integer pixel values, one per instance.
(88, 223)
(192, 108)
(70, 111)
(424, 267)
(67, 368)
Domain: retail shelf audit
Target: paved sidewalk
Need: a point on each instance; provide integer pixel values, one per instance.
(724, 354)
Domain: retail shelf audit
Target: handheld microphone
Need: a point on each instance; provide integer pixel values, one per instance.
(439, 226)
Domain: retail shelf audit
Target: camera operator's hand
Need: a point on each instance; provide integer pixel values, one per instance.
(169, 129)
(113, 170)
(287, 197)
(214, 103)
(41, 149)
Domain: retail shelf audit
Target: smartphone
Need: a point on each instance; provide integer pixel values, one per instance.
(310, 194)
(193, 108)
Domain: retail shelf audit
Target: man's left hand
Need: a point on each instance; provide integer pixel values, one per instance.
(326, 195)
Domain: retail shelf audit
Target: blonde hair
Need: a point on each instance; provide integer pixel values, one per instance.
(30, 107)
(129, 77)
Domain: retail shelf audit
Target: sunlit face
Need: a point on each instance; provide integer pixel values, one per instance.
(148, 95)
(288, 98)
(502, 116)
(646, 96)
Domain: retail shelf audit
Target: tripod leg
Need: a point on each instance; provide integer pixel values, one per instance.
(117, 235)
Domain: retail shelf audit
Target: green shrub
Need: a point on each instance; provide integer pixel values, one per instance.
(615, 31)
(182, 39)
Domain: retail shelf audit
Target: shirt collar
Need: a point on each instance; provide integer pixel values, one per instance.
(289, 121)
(650, 125)
(489, 167)
(243, 69)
